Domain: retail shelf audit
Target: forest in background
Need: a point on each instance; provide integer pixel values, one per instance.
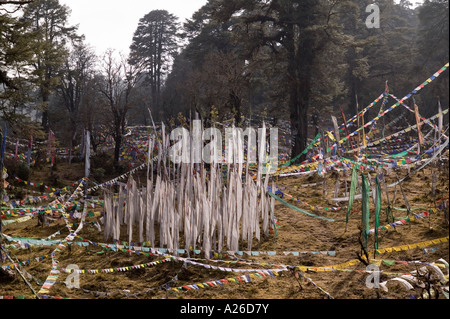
(281, 60)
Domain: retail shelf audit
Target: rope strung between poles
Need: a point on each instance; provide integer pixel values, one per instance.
(425, 164)
(415, 91)
(304, 152)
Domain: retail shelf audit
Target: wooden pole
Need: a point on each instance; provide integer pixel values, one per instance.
(346, 128)
(357, 117)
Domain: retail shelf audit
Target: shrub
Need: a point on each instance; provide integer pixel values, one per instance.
(98, 173)
(23, 171)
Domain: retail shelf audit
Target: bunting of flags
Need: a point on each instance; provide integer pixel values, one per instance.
(408, 219)
(39, 184)
(25, 262)
(125, 247)
(391, 137)
(54, 273)
(355, 262)
(221, 282)
(415, 91)
(117, 269)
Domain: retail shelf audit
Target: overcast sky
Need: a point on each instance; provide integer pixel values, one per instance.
(111, 23)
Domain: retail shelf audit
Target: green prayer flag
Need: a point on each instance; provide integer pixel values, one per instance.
(402, 154)
(299, 209)
(352, 191)
(365, 210)
(389, 262)
(377, 211)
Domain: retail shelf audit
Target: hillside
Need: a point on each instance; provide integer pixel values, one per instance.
(302, 246)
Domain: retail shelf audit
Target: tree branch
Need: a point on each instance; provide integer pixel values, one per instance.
(3, 2)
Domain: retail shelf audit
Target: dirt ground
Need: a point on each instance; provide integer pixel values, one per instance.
(297, 232)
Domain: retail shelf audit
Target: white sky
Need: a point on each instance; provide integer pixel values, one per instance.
(111, 23)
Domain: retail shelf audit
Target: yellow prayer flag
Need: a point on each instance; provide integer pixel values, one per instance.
(377, 262)
(353, 262)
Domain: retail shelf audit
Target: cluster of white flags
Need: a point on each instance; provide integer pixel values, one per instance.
(191, 206)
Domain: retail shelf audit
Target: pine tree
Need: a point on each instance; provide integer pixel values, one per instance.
(16, 57)
(155, 43)
(305, 34)
(49, 19)
(433, 48)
